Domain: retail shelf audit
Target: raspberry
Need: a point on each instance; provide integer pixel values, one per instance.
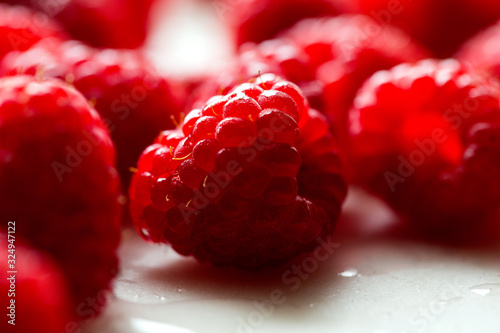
(482, 52)
(57, 180)
(259, 20)
(240, 189)
(425, 138)
(106, 23)
(133, 99)
(21, 28)
(442, 25)
(336, 55)
(39, 291)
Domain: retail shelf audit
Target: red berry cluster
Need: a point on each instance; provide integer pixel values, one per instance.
(251, 176)
(231, 186)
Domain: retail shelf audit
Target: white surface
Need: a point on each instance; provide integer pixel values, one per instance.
(372, 283)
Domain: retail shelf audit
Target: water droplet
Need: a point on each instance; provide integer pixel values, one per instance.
(350, 272)
(126, 281)
(178, 290)
(492, 289)
(311, 305)
(145, 232)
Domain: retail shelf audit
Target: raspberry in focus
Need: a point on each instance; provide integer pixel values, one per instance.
(253, 178)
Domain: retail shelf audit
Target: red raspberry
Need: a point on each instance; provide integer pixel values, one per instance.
(426, 138)
(57, 179)
(20, 28)
(441, 25)
(258, 20)
(106, 23)
(337, 55)
(133, 99)
(482, 52)
(241, 184)
(40, 290)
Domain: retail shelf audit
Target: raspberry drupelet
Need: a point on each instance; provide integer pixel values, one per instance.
(251, 179)
(426, 138)
(58, 180)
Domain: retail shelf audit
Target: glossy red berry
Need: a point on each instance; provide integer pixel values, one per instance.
(425, 139)
(248, 183)
(57, 158)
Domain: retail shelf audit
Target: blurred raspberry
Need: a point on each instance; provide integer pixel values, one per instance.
(107, 23)
(134, 100)
(426, 138)
(341, 53)
(38, 289)
(20, 28)
(58, 181)
(441, 25)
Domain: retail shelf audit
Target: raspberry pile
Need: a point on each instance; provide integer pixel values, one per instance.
(253, 178)
(58, 181)
(426, 138)
(255, 173)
